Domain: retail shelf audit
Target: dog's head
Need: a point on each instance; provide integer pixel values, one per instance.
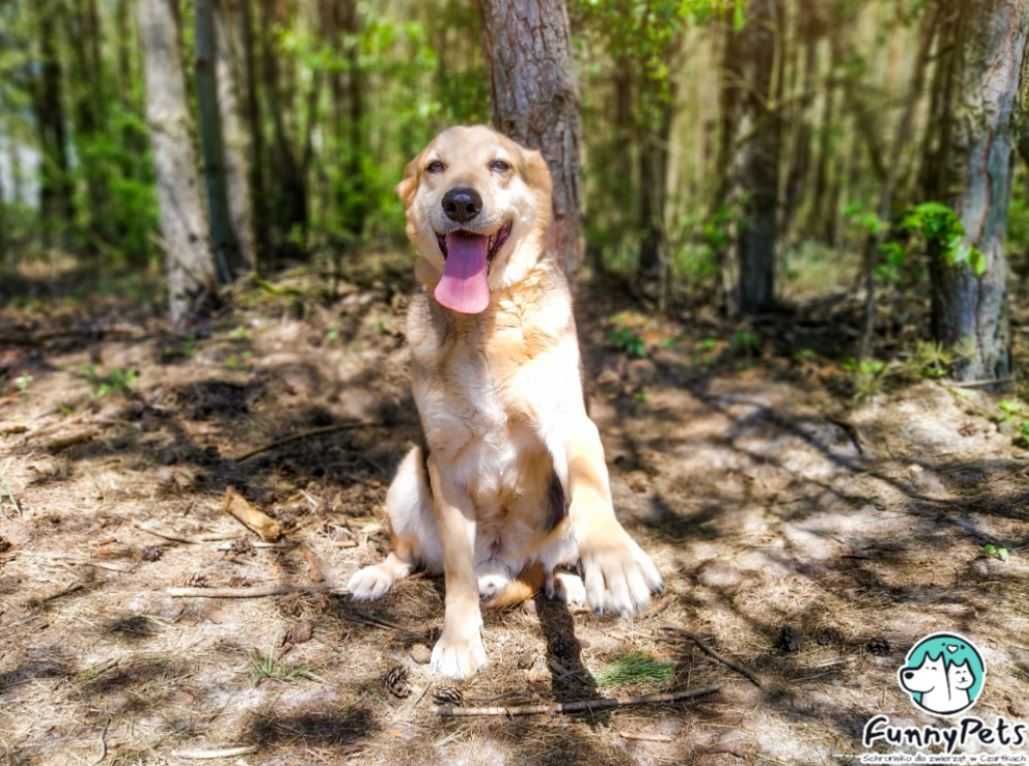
(925, 677)
(478, 207)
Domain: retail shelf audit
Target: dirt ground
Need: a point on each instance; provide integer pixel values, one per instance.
(806, 538)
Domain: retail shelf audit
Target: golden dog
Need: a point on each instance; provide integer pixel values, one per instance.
(512, 481)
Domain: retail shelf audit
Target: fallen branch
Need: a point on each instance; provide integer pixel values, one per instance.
(103, 744)
(980, 383)
(306, 435)
(575, 707)
(210, 755)
(258, 522)
(258, 591)
(177, 538)
(716, 656)
(645, 737)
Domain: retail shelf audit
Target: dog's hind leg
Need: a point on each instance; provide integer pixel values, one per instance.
(413, 533)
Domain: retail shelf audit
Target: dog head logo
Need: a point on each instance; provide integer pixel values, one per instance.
(943, 674)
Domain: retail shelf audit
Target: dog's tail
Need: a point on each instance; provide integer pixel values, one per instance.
(526, 585)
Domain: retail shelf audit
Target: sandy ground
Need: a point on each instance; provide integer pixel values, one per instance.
(805, 538)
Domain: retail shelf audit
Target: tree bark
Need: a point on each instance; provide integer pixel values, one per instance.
(231, 75)
(190, 262)
(536, 102)
(55, 187)
(212, 144)
(759, 175)
(970, 313)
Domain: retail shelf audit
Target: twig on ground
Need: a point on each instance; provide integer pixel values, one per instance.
(645, 737)
(261, 544)
(177, 538)
(715, 655)
(980, 383)
(103, 743)
(307, 435)
(258, 522)
(574, 707)
(73, 588)
(7, 489)
(210, 755)
(258, 591)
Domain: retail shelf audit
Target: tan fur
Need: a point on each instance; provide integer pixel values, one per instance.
(500, 398)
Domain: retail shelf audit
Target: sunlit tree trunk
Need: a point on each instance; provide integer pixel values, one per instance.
(969, 312)
(759, 175)
(190, 262)
(536, 101)
(231, 75)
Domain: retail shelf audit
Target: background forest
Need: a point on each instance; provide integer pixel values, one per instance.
(812, 141)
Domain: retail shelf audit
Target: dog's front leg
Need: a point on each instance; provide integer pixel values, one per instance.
(619, 576)
(459, 653)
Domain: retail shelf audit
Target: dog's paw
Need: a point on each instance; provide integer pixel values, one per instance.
(458, 658)
(569, 588)
(619, 576)
(370, 583)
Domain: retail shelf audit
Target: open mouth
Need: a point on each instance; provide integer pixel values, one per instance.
(494, 241)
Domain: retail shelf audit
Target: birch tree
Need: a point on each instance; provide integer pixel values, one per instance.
(189, 259)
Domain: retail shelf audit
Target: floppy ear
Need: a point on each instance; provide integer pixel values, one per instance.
(409, 185)
(537, 174)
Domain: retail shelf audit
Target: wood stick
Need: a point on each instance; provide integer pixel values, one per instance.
(645, 737)
(263, 525)
(258, 591)
(574, 707)
(717, 657)
(103, 744)
(980, 383)
(306, 435)
(210, 755)
(177, 538)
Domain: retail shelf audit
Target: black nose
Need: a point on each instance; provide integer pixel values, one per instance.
(462, 204)
(908, 675)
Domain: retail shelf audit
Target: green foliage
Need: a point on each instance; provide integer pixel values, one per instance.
(627, 341)
(22, 383)
(996, 552)
(866, 376)
(265, 667)
(930, 361)
(745, 342)
(939, 226)
(635, 668)
(119, 380)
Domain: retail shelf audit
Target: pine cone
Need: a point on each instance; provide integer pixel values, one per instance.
(397, 683)
(448, 695)
(878, 647)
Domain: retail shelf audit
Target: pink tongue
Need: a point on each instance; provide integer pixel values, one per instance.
(463, 286)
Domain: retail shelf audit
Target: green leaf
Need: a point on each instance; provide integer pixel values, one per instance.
(977, 262)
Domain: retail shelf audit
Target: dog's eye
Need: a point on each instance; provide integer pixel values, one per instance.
(435, 167)
(499, 166)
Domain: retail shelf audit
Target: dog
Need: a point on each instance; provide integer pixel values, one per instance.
(944, 686)
(510, 483)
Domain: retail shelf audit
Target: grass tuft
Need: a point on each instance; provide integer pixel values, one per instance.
(634, 668)
(265, 667)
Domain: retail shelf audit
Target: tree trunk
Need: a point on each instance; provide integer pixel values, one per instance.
(536, 102)
(212, 143)
(970, 313)
(290, 204)
(231, 74)
(255, 129)
(190, 262)
(84, 33)
(759, 175)
(56, 201)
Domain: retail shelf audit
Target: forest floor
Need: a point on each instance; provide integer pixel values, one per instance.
(806, 537)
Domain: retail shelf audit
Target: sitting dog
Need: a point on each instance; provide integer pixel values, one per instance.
(511, 481)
